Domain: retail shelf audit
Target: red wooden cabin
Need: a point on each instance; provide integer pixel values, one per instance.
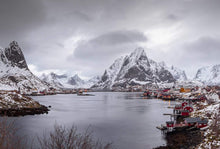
(191, 121)
(184, 103)
(202, 123)
(178, 107)
(170, 123)
(188, 108)
(185, 113)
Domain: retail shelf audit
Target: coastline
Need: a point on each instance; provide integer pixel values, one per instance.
(207, 137)
(15, 104)
(13, 112)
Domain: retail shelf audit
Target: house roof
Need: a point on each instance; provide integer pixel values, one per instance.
(192, 119)
(170, 122)
(204, 121)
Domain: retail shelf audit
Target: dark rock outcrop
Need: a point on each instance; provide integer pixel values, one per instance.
(24, 111)
(15, 55)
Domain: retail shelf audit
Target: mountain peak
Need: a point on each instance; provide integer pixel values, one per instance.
(15, 74)
(132, 70)
(76, 76)
(13, 43)
(138, 52)
(163, 64)
(15, 56)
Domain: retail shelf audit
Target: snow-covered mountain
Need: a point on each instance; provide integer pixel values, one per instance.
(177, 73)
(55, 80)
(135, 69)
(76, 81)
(14, 72)
(67, 81)
(209, 75)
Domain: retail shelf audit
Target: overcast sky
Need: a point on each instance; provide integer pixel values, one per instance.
(86, 36)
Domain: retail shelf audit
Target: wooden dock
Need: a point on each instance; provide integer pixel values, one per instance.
(171, 114)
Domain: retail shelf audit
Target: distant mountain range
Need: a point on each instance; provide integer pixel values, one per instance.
(133, 69)
(209, 75)
(14, 72)
(66, 81)
(138, 69)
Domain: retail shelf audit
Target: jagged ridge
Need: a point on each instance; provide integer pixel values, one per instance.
(209, 75)
(135, 69)
(14, 71)
(67, 81)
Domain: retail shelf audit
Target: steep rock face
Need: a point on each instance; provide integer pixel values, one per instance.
(134, 69)
(53, 79)
(93, 80)
(15, 56)
(14, 72)
(209, 75)
(75, 81)
(177, 73)
(110, 74)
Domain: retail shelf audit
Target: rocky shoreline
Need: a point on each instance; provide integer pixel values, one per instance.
(24, 111)
(14, 104)
(182, 139)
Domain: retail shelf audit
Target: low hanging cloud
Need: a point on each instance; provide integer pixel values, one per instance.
(205, 50)
(109, 44)
(106, 48)
(119, 37)
(194, 54)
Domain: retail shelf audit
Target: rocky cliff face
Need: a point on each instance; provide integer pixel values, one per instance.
(15, 56)
(75, 81)
(134, 69)
(14, 72)
(209, 75)
(177, 73)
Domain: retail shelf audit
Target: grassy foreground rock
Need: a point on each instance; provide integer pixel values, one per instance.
(14, 104)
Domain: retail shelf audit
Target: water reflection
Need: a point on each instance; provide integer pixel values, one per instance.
(123, 118)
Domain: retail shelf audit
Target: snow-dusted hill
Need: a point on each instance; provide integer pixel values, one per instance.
(178, 74)
(67, 81)
(14, 72)
(209, 75)
(135, 69)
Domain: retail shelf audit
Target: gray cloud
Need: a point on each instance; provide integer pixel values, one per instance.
(173, 17)
(108, 44)
(18, 18)
(81, 15)
(106, 47)
(113, 28)
(205, 50)
(119, 37)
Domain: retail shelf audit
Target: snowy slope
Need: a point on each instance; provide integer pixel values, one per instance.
(109, 76)
(92, 81)
(134, 69)
(178, 74)
(14, 72)
(54, 79)
(209, 75)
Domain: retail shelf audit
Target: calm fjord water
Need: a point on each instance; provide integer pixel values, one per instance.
(125, 119)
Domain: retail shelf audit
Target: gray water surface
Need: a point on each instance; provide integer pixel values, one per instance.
(125, 119)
